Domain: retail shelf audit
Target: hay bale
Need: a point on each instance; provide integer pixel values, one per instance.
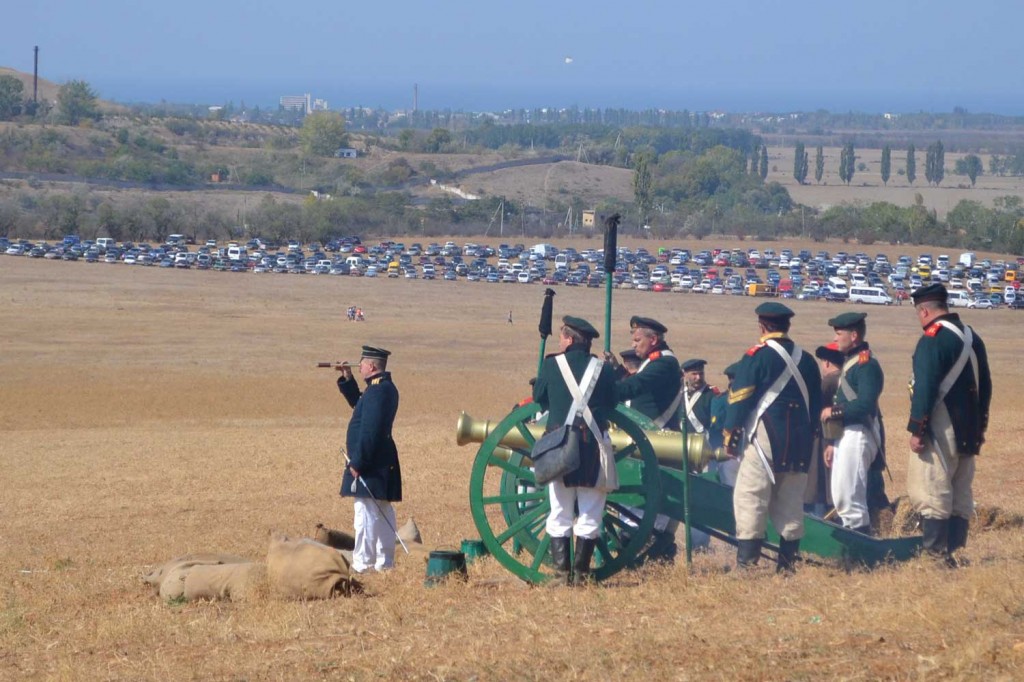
(905, 519)
(306, 569)
(232, 582)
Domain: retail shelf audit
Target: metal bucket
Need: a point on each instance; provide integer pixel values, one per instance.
(474, 549)
(444, 563)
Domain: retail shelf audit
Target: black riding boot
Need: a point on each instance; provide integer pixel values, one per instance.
(748, 552)
(560, 559)
(957, 538)
(786, 562)
(936, 539)
(581, 567)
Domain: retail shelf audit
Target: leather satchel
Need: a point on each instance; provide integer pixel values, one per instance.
(556, 454)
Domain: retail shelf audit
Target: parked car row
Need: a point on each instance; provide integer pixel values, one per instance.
(857, 278)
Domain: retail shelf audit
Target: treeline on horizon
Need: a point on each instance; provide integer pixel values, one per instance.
(688, 180)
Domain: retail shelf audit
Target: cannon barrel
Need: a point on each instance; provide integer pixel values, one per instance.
(667, 445)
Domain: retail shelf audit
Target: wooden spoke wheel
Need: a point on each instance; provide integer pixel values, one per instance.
(510, 512)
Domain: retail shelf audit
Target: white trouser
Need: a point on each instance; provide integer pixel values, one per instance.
(375, 541)
(563, 506)
(852, 458)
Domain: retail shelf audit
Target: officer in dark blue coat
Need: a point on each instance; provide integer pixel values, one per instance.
(373, 475)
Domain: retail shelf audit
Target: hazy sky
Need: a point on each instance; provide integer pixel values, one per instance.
(866, 55)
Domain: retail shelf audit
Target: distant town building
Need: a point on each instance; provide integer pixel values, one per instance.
(346, 153)
(588, 219)
(303, 103)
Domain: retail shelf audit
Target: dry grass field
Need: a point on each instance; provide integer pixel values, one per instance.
(867, 188)
(147, 413)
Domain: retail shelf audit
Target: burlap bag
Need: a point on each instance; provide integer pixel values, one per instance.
(306, 569)
(338, 539)
(173, 585)
(233, 582)
(156, 576)
(410, 532)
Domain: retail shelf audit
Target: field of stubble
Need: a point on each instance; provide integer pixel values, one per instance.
(147, 413)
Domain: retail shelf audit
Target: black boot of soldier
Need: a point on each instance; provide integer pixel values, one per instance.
(560, 560)
(786, 562)
(957, 538)
(748, 552)
(581, 567)
(935, 542)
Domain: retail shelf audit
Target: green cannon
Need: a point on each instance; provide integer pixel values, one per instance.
(510, 511)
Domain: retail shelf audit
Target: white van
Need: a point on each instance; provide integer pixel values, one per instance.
(958, 298)
(236, 253)
(105, 243)
(860, 294)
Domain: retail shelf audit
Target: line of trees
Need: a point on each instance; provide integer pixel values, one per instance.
(935, 160)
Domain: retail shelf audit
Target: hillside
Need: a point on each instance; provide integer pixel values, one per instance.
(48, 89)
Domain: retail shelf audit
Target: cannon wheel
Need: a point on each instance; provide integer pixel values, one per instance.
(510, 512)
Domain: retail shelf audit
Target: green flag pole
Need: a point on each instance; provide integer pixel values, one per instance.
(684, 424)
(544, 327)
(611, 235)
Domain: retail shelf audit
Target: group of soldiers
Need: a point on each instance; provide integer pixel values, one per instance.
(780, 409)
(782, 417)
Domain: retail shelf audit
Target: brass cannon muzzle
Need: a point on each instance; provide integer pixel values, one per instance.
(667, 445)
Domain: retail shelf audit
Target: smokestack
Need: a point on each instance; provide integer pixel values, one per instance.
(415, 97)
(35, 78)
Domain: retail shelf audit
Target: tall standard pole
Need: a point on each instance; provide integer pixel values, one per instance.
(611, 235)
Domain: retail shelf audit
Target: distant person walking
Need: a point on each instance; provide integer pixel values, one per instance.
(510, 317)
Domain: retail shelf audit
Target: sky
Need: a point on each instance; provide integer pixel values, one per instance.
(732, 55)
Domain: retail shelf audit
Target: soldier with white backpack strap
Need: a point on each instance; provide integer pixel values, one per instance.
(586, 405)
(853, 411)
(770, 421)
(951, 389)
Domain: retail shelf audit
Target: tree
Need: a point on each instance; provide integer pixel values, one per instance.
(438, 139)
(642, 187)
(819, 164)
(10, 97)
(911, 165)
(800, 166)
(847, 161)
(934, 162)
(762, 168)
(322, 133)
(886, 164)
(970, 166)
(76, 102)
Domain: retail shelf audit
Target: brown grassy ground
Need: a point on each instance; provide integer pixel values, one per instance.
(146, 413)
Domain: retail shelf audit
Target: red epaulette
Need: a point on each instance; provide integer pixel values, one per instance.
(864, 356)
(716, 390)
(933, 329)
(654, 356)
(756, 348)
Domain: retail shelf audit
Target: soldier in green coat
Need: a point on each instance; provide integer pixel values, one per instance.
(654, 390)
(576, 490)
(951, 390)
(854, 411)
(772, 416)
(697, 396)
